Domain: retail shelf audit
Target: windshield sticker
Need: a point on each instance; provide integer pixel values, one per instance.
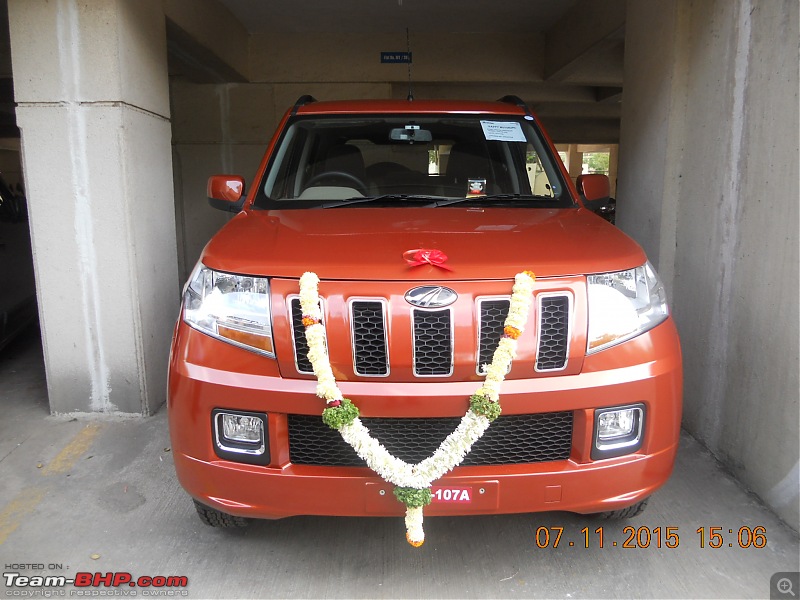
(476, 187)
(503, 131)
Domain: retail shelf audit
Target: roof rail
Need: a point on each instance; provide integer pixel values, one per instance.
(517, 101)
(302, 101)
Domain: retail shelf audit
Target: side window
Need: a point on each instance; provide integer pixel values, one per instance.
(279, 182)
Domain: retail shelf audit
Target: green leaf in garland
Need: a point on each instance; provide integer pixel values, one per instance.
(412, 497)
(336, 417)
(481, 405)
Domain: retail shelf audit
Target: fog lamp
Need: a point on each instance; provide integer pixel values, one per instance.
(242, 428)
(615, 424)
(618, 431)
(240, 436)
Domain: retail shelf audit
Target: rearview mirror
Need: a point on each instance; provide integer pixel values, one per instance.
(410, 134)
(226, 192)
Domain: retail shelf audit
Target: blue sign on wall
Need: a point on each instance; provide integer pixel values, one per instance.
(395, 57)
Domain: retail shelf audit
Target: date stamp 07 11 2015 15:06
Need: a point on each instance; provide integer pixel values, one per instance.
(654, 537)
(782, 585)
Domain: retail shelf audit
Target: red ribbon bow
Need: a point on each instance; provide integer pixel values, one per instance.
(426, 256)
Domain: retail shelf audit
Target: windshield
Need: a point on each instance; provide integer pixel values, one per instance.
(436, 160)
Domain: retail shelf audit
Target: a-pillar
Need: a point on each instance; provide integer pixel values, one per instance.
(91, 86)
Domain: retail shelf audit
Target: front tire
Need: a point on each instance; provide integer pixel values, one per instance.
(625, 513)
(216, 518)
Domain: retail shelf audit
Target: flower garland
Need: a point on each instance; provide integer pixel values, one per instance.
(413, 482)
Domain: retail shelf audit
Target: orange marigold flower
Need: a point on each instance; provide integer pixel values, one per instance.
(309, 321)
(414, 543)
(530, 274)
(511, 332)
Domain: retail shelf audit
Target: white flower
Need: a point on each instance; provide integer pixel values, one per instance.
(309, 296)
(329, 391)
(520, 301)
(414, 529)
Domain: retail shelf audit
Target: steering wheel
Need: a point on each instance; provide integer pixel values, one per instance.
(342, 175)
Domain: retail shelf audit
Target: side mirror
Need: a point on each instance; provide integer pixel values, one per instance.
(595, 191)
(226, 192)
(594, 187)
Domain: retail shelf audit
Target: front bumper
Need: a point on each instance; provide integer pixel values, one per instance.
(644, 370)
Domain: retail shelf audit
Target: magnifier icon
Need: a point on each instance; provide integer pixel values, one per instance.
(784, 586)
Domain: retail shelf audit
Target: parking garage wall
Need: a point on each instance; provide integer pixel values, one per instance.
(708, 185)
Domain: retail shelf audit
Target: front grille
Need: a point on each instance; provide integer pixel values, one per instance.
(299, 334)
(553, 332)
(511, 439)
(370, 356)
(433, 342)
(432, 335)
(493, 315)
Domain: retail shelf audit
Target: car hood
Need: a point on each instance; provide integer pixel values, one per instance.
(374, 243)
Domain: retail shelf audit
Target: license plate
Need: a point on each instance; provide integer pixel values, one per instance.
(449, 495)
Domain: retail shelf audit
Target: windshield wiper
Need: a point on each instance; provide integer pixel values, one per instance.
(491, 197)
(435, 201)
(361, 200)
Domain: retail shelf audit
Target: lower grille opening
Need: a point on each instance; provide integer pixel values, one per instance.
(511, 439)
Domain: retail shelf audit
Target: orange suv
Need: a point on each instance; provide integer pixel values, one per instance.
(441, 240)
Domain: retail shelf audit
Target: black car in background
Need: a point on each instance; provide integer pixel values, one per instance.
(18, 288)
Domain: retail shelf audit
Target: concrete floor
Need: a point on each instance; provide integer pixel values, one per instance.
(101, 496)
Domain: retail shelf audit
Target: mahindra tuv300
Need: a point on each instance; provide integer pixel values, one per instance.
(413, 219)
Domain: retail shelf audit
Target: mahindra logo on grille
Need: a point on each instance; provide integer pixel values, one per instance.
(431, 296)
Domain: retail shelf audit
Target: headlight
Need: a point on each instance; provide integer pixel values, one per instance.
(623, 305)
(232, 308)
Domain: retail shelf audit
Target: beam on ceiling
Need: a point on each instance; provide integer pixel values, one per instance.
(588, 26)
(206, 42)
(195, 61)
(608, 95)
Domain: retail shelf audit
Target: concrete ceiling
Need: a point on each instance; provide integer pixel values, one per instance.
(577, 87)
(585, 38)
(390, 16)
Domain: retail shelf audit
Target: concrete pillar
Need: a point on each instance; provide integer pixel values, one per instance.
(574, 162)
(91, 88)
(613, 168)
